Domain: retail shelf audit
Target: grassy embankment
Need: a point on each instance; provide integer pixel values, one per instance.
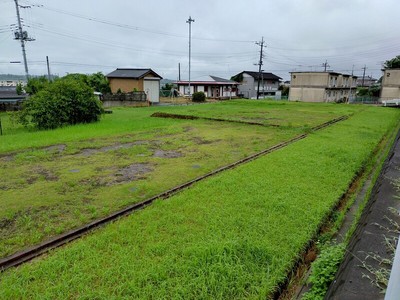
(94, 169)
(235, 235)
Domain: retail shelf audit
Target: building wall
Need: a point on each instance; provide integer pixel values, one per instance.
(311, 79)
(307, 94)
(390, 84)
(246, 87)
(125, 84)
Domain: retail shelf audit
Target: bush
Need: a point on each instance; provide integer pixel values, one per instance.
(198, 97)
(63, 102)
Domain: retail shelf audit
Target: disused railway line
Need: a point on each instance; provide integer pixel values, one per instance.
(55, 242)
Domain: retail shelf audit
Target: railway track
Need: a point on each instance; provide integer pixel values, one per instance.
(55, 242)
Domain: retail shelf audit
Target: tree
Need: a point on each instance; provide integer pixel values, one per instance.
(99, 83)
(19, 88)
(393, 63)
(36, 84)
(66, 101)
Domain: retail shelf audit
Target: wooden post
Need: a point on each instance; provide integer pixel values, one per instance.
(1, 128)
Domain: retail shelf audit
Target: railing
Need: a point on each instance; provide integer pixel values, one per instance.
(393, 289)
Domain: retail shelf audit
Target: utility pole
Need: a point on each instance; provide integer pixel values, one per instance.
(365, 67)
(260, 63)
(48, 68)
(325, 65)
(189, 21)
(22, 35)
(179, 71)
(351, 83)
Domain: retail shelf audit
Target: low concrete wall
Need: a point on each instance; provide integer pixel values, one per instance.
(125, 99)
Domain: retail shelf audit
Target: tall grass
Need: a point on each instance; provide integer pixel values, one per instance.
(233, 236)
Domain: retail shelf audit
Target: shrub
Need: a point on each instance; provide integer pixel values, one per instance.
(63, 102)
(198, 97)
(323, 271)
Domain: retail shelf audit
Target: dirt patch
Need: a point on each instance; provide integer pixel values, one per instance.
(57, 149)
(173, 116)
(118, 146)
(200, 141)
(132, 172)
(167, 154)
(38, 172)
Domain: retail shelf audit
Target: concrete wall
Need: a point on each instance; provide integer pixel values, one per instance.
(307, 94)
(390, 84)
(311, 79)
(246, 87)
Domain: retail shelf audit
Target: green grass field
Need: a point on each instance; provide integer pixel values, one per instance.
(56, 180)
(235, 235)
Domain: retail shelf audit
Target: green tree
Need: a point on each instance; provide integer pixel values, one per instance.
(99, 83)
(66, 101)
(36, 84)
(393, 63)
(19, 89)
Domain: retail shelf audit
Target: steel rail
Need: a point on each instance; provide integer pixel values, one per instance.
(57, 241)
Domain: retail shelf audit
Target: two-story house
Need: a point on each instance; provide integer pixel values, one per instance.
(269, 84)
(322, 87)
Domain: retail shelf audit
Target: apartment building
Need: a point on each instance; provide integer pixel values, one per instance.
(322, 87)
(390, 84)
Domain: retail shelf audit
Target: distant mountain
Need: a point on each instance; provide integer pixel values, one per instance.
(11, 77)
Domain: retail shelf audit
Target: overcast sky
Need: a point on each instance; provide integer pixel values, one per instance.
(88, 36)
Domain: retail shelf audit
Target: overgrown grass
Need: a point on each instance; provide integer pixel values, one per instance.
(46, 191)
(233, 236)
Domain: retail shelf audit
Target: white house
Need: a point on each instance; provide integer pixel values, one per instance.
(212, 86)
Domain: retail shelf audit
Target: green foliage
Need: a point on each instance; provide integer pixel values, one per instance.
(19, 89)
(372, 91)
(198, 97)
(119, 91)
(393, 63)
(323, 271)
(65, 101)
(232, 236)
(167, 87)
(36, 84)
(99, 83)
(284, 89)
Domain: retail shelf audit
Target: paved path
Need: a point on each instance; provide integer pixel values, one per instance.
(369, 238)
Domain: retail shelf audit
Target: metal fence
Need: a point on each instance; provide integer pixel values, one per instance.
(133, 96)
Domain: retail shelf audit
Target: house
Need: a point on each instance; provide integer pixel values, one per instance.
(390, 84)
(322, 87)
(367, 81)
(128, 80)
(269, 84)
(212, 86)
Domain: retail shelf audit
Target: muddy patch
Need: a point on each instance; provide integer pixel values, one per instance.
(38, 172)
(167, 154)
(131, 173)
(200, 141)
(91, 151)
(56, 149)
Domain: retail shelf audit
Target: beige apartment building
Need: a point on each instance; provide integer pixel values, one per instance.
(322, 87)
(390, 84)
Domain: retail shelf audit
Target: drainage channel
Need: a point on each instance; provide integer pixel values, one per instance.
(35, 251)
